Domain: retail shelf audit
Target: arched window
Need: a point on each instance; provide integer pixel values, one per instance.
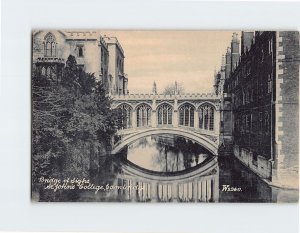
(126, 116)
(143, 115)
(186, 115)
(267, 122)
(206, 117)
(48, 72)
(43, 70)
(50, 45)
(80, 51)
(164, 114)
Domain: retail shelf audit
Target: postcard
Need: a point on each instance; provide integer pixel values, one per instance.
(165, 116)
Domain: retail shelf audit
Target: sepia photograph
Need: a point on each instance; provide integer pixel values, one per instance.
(164, 116)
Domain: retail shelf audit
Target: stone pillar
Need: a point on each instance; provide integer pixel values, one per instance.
(217, 121)
(196, 121)
(153, 118)
(208, 190)
(175, 197)
(134, 121)
(175, 113)
(153, 114)
(154, 191)
(216, 188)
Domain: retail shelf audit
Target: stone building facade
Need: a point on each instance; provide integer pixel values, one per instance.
(117, 78)
(262, 89)
(51, 50)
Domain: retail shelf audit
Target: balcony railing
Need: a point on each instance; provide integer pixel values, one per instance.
(50, 60)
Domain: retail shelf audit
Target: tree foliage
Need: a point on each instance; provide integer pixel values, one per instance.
(171, 89)
(72, 124)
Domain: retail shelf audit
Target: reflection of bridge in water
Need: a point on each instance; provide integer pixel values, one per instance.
(199, 184)
(193, 116)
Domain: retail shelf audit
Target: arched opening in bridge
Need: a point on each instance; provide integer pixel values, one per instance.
(165, 153)
(186, 115)
(206, 117)
(164, 114)
(143, 115)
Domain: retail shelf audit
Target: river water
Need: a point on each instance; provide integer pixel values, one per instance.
(168, 168)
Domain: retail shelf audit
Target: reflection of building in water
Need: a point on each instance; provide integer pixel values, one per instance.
(168, 140)
(166, 153)
(198, 185)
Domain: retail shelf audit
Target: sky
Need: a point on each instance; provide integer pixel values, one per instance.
(188, 57)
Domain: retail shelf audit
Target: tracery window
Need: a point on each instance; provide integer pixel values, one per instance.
(164, 114)
(186, 115)
(206, 117)
(126, 116)
(143, 115)
(50, 45)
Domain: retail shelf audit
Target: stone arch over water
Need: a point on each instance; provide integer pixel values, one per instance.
(208, 144)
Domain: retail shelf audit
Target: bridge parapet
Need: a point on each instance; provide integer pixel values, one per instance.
(191, 96)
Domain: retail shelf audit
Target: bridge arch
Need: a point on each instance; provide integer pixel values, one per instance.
(208, 144)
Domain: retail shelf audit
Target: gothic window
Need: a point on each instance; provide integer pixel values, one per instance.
(164, 114)
(270, 46)
(126, 116)
(48, 74)
(206, 117)
(43, 70)
(143, 115)
(50, 45)
(186, 115)
(80, 51)
(269, 84)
